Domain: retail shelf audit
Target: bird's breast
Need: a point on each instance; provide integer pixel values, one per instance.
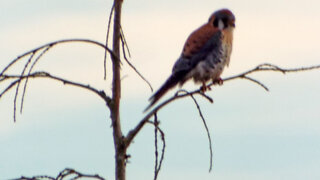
(211, 67)
(227, 38)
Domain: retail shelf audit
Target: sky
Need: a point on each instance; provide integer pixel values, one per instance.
(256, 134)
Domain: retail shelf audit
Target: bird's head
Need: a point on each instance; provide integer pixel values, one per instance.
(222, 19)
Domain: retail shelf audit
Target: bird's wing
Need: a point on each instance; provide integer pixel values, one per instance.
(197, 47)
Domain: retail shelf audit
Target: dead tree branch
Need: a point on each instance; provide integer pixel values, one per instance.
(25, 76)
(26, 81)
(124, 43)
(63, 175)
(124, 47)
(267, 67)
(51, 44)
(262, 67)
(42, 74)
(205, 125)
(107, 42)
(158, 164)
(17, 79)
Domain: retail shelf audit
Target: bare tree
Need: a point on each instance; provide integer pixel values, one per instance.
(121, 141)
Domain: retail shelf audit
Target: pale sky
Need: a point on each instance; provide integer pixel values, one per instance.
(256, 134)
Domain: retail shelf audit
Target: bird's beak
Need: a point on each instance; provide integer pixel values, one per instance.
(232, 23)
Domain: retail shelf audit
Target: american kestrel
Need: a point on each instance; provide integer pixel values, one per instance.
(205, 54)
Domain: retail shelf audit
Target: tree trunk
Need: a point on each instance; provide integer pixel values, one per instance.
(120, 148)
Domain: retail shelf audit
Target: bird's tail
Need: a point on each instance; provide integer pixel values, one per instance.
(171, 82)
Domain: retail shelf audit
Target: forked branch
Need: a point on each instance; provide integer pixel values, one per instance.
(267, 67)
(51, 44)
(33, 60)
(244, 75)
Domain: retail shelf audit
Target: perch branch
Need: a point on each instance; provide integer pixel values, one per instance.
(130, 136)
(270, 67)
(262, 67)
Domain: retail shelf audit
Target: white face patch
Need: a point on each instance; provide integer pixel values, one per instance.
(220, 24)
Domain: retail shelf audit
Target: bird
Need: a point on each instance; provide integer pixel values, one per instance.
(206, 52)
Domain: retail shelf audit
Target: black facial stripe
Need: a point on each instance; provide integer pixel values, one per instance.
(216, 22)
(225, 22)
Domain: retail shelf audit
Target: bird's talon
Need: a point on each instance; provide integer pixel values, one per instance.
(203, 89)
(218, 81)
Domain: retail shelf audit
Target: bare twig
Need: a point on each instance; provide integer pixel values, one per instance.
(156, 123)
(42, 74)
(135, 69)
(206, 96)
(124, 41)
(54, 43)
(65, 174)
(18, 79)
(270, 67)
(157, 129)
(9, 87)
(126, 47)
(35, 178)
(44, 49)
(256, 81)
(107, 41)
(205, 125)
(131, 135)
(18, 86)
(267, 67)
(26, 81)
(162, 151)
